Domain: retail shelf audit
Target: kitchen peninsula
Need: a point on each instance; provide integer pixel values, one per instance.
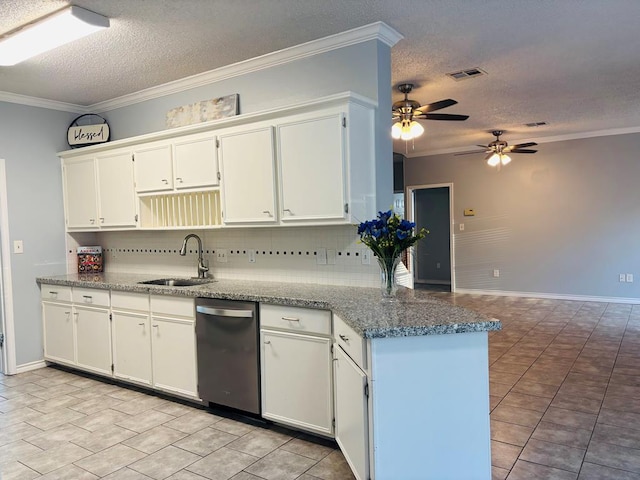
(423, 363)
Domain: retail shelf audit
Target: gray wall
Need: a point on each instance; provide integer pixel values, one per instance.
(363, 68)
(563, 221)
(29, 140)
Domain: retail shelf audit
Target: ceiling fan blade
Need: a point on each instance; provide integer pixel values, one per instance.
(525, 145)
(487, 147)
(444, 116)
(472, 152)
(432, 107)
(522, 150)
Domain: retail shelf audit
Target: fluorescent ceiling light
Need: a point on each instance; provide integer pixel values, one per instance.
(49, 32)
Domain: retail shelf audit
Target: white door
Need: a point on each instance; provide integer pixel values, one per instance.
(58, 333)
(352, 433)
(80, 193)
(296, 380)
(196, 162)
(173, 353)
(116, 190)
(93, 339)
(132, 347)
(311, 158)
(248, 177)
(153, 168)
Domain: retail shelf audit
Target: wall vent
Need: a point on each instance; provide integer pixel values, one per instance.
(468, 73)
(535, 124)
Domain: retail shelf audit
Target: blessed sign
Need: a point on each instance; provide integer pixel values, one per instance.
(87, 134)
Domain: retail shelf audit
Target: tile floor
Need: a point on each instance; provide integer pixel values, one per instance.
(565, 404)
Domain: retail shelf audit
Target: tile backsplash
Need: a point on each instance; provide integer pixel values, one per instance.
(287, 254)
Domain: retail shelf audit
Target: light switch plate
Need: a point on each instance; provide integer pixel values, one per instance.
(331, 257)
(221, 255)
(321, 256)
(18, 246)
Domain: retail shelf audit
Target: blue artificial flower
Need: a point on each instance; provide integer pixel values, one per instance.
(402, 234)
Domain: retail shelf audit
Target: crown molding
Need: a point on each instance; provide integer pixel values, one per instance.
(42, 103)
(539, 140)
(374, 31)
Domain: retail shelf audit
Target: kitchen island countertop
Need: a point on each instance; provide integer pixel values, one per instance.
(412, 313)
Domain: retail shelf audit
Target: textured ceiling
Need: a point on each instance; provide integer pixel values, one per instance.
(572, 63)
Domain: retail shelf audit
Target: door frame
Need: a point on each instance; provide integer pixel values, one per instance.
(8, 360)
(410, 214)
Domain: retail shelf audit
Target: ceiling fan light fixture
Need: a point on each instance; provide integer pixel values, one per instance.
(406, 130)
(504, 159)
(52, 31)
(494, 160)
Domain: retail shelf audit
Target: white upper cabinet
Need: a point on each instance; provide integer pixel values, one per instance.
(117, 200)
(99, 191)
(248, 176)
(153, 167)
(187, 162)
(311, 160)
(196, 162)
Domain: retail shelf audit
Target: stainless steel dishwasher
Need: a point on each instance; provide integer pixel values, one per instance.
(228, 355)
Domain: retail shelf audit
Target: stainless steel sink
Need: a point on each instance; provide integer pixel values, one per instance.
(178, 282)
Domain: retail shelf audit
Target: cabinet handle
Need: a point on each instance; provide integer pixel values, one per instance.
(179, 179)
(291, 319)
(267, 212)
(141, 324)
(53, 294)
(165, 181)
(88, 298)
(154, 326)
(92, 221)
(287, 210)
(267, 342)
(344, 338)
(101, 219)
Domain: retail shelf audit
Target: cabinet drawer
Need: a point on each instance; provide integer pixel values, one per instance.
(91, 296)
(297, 319)
(130, 301)
(57, 293)
(352, 343)
(180, 306)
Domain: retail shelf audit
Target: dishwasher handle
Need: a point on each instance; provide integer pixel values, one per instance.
(224, 312)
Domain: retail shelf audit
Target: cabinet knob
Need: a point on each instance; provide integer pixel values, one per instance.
(344, 338)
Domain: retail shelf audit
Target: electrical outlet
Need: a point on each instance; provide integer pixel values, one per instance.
(252, 256)
(221, 255)
(366, 256)
(331, 257)
(462, 227)
(496, 273)
(629, 277)
(622, 278)
(321, 256)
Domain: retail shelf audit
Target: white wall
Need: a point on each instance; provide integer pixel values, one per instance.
(29, 140)
(564, 221)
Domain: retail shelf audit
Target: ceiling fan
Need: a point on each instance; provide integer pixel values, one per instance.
(406, 112)
(498, 149)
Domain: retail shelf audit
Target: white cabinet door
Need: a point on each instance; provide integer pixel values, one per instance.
(352, 434)
(153, 168)
(58, 333)
(196, 162)
(296, 380)
(80, 193)
(116, 192)
(132, 346)
(93, 339)
(173, 347)
(248, 176)
(311, 159)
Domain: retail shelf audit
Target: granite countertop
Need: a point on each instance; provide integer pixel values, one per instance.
(413, 313)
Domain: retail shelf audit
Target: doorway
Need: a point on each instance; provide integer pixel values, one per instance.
(431, 207)
(7, 356)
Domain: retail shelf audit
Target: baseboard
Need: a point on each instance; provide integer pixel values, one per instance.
(27, 367)
(433, 282)
(552, 296)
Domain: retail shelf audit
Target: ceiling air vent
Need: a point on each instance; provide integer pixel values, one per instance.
(465, 74)
(535, 124)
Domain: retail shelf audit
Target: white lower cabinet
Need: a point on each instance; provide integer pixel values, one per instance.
(296, 380)
(352, 422)
(132, 346)
(59, 343)
(93, 339)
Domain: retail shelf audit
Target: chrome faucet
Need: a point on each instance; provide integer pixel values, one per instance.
(203, 268)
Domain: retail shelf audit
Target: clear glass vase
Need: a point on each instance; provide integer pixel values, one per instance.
(388, 284)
